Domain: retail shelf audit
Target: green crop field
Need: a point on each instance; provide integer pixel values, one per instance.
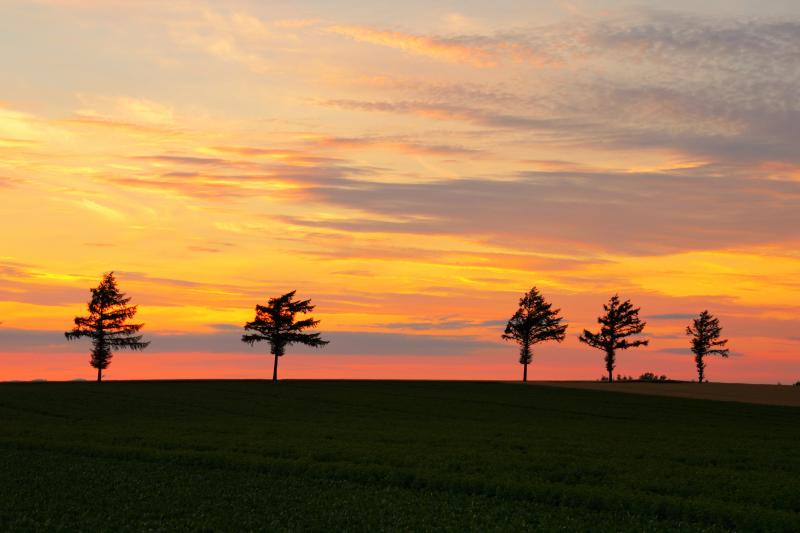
(335, 456)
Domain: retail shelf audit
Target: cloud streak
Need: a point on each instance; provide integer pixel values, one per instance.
(451, 50)
(623, 213)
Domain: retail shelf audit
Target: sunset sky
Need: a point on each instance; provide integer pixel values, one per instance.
(413, 168)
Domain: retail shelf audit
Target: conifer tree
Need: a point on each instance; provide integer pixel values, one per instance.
(620, 321)
(107, 324)
(535, 321)
(275, 323)
(705, 332)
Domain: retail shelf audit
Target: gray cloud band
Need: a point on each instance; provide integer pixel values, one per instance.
(342, 343)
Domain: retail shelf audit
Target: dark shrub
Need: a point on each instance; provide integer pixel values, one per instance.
(650, 376)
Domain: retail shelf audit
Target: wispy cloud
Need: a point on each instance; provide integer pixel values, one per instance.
(438, 48)
(236, 37)
(391, 144)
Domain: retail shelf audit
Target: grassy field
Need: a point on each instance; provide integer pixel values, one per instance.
(331, 456)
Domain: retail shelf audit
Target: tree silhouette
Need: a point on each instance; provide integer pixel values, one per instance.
(275, 323)
(107, 324)
(620, 321)
(705, 332)
(535, 321)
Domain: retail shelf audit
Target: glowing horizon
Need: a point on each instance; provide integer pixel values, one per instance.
(413, 171)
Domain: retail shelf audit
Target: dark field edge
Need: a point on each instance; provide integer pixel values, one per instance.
(669, 397)
(368, 380)
(666, 397)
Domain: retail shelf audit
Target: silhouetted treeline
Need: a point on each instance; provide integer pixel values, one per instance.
(535, 321)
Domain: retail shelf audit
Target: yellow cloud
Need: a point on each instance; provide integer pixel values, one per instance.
(101, 210)
(752, 277)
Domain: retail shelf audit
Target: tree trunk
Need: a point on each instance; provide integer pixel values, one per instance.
(99, 375)
(524, 372)
(275, 370)
(610, 376)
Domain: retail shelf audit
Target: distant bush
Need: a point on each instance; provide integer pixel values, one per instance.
(797, 384)
(649, 376)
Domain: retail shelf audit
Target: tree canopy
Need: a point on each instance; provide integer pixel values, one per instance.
(619, 322)
(534, 321)
(107, 324)
(705, 332)
(275, 323)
